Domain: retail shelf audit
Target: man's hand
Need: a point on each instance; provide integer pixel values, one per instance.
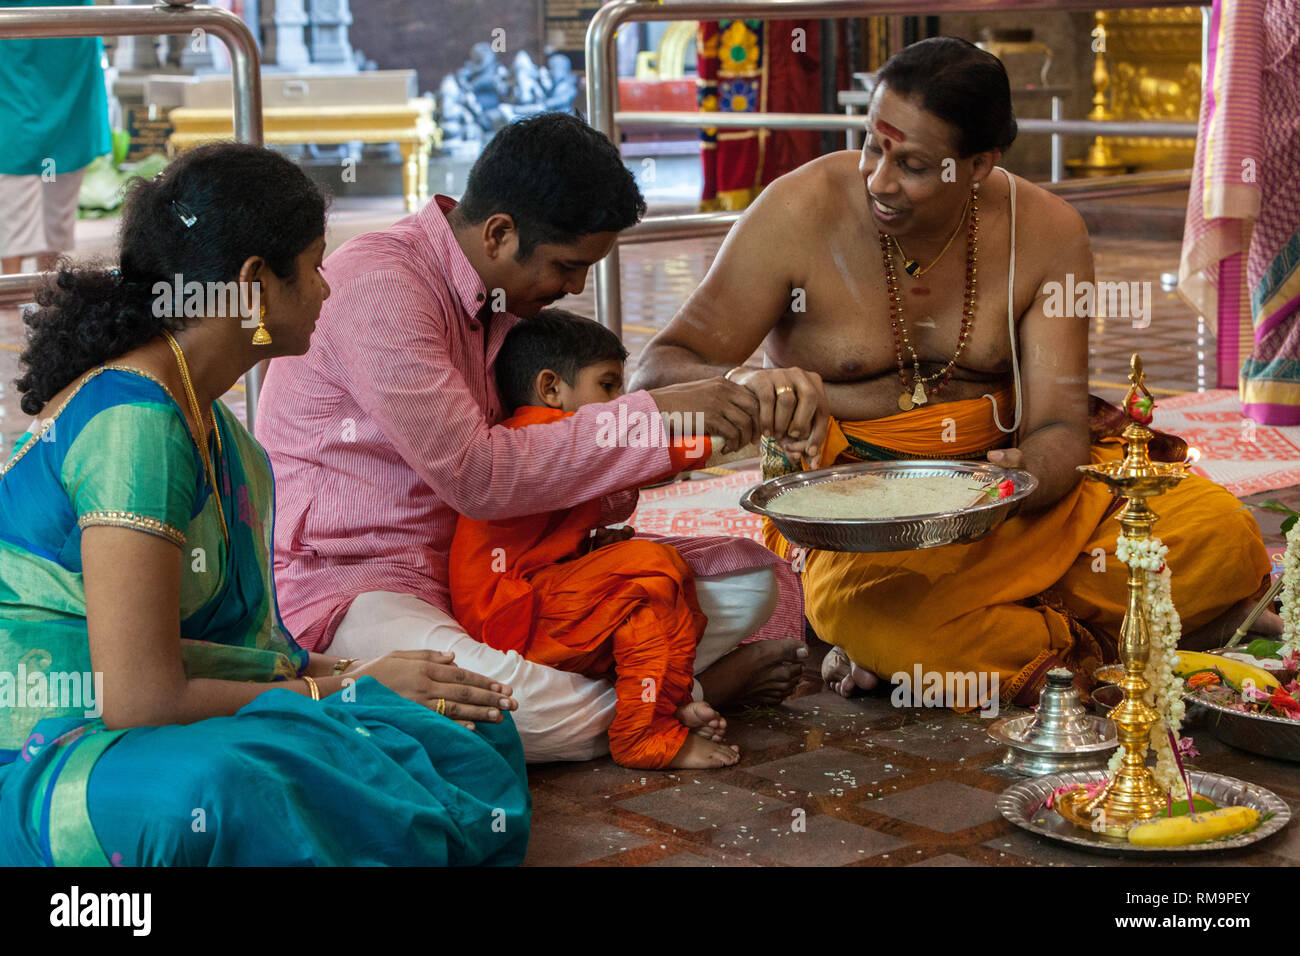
(792, 408)
(1007, 458)
(729, 411)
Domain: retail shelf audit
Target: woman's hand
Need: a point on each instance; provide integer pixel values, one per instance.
(792, 408)
(427, 676)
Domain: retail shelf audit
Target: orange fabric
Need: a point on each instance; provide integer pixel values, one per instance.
(525, 585)
(1043, 589)
(951, 430)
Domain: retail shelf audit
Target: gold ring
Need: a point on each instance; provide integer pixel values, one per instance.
(784, 388)
(442, 705)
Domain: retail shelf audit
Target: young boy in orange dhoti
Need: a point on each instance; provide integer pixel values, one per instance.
(562, 591)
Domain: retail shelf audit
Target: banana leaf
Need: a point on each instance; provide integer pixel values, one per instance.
(104, 186)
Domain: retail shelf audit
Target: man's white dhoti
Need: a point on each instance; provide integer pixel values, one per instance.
(561, 716)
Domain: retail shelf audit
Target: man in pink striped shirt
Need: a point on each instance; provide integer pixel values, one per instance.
(387, 429)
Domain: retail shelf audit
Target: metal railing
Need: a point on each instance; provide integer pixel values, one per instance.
(160, 20)
(695, 225)
(602, 113)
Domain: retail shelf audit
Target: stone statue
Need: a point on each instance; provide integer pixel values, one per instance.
(483, 95)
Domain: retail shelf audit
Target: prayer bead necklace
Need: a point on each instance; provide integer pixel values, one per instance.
(920, 389)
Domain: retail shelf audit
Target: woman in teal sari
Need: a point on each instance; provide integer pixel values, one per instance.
(153, 709)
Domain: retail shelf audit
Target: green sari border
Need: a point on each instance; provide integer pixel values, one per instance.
(72, 837)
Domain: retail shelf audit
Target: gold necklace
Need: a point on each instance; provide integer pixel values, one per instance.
(204, 454)
(911, 266)
(916, 393)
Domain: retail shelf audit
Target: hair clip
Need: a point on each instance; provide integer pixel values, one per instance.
(184, 214)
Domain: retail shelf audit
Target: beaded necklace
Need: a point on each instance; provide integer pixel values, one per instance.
(919, 391)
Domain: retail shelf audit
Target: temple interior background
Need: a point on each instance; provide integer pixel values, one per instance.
(387, 102)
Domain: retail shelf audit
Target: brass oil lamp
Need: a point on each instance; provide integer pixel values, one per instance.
(1132, 793)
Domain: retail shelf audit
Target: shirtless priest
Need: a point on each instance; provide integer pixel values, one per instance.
(905, 291)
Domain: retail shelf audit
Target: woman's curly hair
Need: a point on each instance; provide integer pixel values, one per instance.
(242, 201)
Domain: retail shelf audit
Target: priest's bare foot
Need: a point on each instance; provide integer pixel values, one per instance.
(843, 676)
(810, 681)
(704, 720)
(700, 754)
(761, 673)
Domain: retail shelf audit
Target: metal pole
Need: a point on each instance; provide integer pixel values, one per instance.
(838, 121)
(161, 20)
(602, 81)
(695, 225)
(1058, 158)
(607, 278)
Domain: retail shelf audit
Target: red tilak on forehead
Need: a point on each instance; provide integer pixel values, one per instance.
(891, 130)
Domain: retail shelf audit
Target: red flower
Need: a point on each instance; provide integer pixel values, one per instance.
(1284, 702)
(1006, 488)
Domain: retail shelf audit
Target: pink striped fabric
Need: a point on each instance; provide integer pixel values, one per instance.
(384, 431)
(1225, 197)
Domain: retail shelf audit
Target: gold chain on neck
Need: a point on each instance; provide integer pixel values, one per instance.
(911, 266)
(201, 440)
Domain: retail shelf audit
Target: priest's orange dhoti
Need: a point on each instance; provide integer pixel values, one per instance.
(1041, 591)
(627, 609)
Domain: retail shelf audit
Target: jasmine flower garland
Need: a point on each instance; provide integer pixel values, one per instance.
(1290, 581)
(1165, 688)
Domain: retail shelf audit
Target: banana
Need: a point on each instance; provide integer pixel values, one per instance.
(1193, 827)
(1235, 670)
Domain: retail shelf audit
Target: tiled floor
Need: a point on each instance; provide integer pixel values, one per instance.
(829, 782)
(824, 781)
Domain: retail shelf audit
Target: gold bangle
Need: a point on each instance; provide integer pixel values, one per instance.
(342, 664)
(313, 687)
(733, 372)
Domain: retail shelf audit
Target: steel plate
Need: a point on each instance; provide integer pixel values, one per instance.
(892, 534)
(1023, 805)
(1258, 733)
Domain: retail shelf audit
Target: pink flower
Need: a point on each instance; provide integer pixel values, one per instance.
(1187, 748)
(1090, 790)
(1006, 488)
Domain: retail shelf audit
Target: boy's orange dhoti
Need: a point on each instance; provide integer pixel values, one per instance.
(523, 584)
(1042, 590)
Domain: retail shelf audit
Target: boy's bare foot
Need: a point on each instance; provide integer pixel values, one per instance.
(843, 676)
(704, 720)
(700, 754)
(765, 672)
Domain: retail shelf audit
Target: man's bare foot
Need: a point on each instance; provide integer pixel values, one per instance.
(810, 681)
(1219, 631)
(700, 754)
(704, 720)
(764, 672)
(843, 676)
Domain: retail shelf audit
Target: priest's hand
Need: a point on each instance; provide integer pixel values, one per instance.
(1007, 458)
(793, 408)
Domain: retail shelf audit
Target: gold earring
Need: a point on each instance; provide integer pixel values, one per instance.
(261, 336)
